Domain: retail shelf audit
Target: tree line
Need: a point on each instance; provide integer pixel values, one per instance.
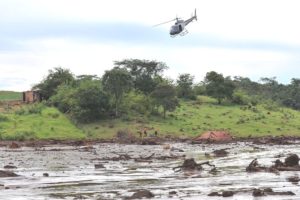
(134, 85)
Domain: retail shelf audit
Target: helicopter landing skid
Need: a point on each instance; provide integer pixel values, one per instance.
(184, 32)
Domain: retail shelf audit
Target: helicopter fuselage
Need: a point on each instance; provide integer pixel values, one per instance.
(177, 28)
(179, 25)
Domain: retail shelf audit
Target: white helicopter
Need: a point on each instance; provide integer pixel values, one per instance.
(179, 27)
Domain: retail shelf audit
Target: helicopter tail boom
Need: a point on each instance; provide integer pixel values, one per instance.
(191, 19)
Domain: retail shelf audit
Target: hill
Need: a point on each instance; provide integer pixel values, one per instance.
(189, 120)
(194, 117)
(37, 122)
(10, 95)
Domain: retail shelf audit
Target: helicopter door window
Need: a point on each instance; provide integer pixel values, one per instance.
(180, 28)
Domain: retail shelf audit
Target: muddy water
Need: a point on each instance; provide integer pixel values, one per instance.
(72, 173)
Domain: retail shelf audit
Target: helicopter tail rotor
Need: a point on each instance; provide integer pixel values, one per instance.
(195, 16)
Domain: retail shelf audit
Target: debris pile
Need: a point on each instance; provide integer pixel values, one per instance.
(291, 163)
(190, 164)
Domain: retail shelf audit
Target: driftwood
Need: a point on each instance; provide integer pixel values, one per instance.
(255, 167)
(291, 163)
(269, 191)
(144, 159)
(190, 164)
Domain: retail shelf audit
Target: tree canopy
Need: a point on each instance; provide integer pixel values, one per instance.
(54, 79)
(117, 82)
(144, 73)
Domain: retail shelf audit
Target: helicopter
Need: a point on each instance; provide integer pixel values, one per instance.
(179, 27)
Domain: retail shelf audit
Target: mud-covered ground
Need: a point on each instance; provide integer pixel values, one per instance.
(75, 172)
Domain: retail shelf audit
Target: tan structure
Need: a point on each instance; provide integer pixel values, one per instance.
(31, 96)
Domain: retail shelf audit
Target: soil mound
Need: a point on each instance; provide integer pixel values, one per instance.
(214, 136)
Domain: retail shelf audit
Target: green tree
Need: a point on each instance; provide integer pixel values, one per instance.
(92, 102)
(145, 74)
(55, 78)
(117, 82)
(165, 96)
(219, 87)
(292, 97)
(185, 86)
(84, 102)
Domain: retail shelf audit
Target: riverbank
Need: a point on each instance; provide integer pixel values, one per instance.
(267, 140)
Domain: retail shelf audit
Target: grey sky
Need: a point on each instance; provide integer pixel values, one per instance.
(246, 38)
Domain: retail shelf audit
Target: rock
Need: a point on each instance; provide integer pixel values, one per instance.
(14, 145)
(268, 190)
(292, 160)
(258, 193)
(213, 194)
(190, 164)
(99, 166)
(176, 149)
(150, 141)
(9, 167)
(166, 146)
(172, 192)
(45, 174)
(7, 174)
(294, 179)
(142, 194)
(220, 153)
(227, 194)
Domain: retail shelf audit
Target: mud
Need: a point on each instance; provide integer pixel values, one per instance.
(86, 170)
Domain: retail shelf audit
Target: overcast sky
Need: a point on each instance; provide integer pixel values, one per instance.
(253, 38)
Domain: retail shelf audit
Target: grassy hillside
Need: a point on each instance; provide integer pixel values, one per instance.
(9, 95)
(37, 122)
(190, 119)
(195, 117)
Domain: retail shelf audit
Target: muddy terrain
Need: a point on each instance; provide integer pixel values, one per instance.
(127, 171)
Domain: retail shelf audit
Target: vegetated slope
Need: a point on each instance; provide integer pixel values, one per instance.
(10, 95)
(37, 122)
(194, 117)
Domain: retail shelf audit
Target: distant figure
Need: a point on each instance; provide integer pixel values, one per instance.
(145, 133)
(155, 133)
(141, 134)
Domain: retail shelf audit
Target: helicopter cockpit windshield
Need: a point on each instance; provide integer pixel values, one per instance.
(175, 29)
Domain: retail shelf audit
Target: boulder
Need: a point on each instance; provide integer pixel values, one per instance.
(292, 160)
(4, 174)
(142, 194)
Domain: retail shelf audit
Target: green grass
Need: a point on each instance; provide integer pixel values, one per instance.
(30, 124)
(195, 117)
(9, 95)
(189, 120)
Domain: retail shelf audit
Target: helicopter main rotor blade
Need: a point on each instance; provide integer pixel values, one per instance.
(165, 22)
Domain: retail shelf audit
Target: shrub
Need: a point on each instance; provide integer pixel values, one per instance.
(240, 98)
(35, 109)
(3, 118)
(20, 136)
(21, 111)
(54, 115)
(271, 105)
